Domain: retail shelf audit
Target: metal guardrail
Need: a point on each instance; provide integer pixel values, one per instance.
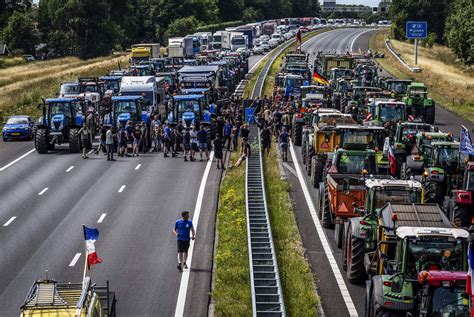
(400, 59)
(267, 294)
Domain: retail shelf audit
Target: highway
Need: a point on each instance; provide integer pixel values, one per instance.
(134, 202)
(334, 301)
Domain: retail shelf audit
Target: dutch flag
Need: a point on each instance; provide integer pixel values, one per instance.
(91, 235)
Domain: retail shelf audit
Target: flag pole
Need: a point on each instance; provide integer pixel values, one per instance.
(86, 266)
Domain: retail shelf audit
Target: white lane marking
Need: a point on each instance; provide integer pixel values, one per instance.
(324, 241)
(15, 161)
(183, 286)
(290, 169)
(69, 169)
(9, 221)
(138, 167)
(74, 259)
(90, 152)
(101, 218)
(122, 188)
(43, 191)
(355, 39)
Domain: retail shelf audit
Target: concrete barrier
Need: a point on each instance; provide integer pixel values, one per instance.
(400, 59)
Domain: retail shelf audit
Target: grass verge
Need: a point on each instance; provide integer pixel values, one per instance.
(23, 97)
(6, 62)
(231, 291)
(253, 79)
(295, 273)
(448, 81)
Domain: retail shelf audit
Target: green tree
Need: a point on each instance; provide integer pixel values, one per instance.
(231, 10)
(20, 33)
(459, 30)
(433, 12)
(182, 27)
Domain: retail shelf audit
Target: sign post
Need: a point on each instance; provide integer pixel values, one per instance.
(416, 30)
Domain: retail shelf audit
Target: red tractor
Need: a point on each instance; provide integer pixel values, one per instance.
(459, 205)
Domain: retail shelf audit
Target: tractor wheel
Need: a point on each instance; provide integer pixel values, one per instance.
(74, 144)
(430, 114)
(448, 206)
(321, 200)
(308, 164)
(374, 309)
(344, 248)
(326, 213)
(433, 193)
(339, 234)
(303, 146)
(355, 259)
(405, 172)
(298, 132)
(33, 134)
(317, 170)
(461, 216)
(41, 141)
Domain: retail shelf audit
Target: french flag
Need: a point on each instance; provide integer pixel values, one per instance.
(469, 282)
(91, 235)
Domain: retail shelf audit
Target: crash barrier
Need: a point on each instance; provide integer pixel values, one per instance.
(400, 59)
(267, 294)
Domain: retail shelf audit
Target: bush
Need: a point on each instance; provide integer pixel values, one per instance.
(459, 26)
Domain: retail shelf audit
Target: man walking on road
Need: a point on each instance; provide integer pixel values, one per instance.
(283, 140)
(109, 142)
(182, 229)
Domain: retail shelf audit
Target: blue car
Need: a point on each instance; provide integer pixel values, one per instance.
(18, 127)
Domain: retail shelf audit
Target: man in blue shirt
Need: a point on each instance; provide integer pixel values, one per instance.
(182, 229)
(227, 133)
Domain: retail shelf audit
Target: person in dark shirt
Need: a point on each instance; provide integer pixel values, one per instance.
(137, 138)
(266, 139)
(218, 152)
(122, 138)
(245, 152)
(187, 144)
(283, 140)
(220, 127)
(202, 141)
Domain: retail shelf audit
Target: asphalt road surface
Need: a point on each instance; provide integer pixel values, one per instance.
(134, 202)
(334, 301)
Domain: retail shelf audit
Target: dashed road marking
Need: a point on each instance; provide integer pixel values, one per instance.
(9, 221)
(122, 188)
(69, 169)
(101, 218)
(18, 159)
(138, 167)
(324, 241)
(183, 286)
(74, 259)
(43, 191)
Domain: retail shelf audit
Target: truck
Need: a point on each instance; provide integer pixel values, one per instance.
(269, 28)
(250, 33)
(326, 62)
(216, 40)
(48, 297)
(149, 87)
(148, 50)
(233, 40)
(205, 40)
(181, 47)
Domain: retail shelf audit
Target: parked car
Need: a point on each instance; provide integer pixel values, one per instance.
(257, 50)
(29, 58)
(273, 43)
(18, 127)
(265, 45)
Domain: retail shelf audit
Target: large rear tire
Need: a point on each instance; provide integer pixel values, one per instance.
(317, 171)
(355, 259)
(338, 234)
(461, 215)
(433, 193)
(298, 134)
(326, 213)
(74, 142)
(41, 141)
(430, 113)
(308, 164)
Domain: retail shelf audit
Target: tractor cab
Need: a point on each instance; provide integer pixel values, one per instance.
(60, 122)
(418, 104)
(337, 73)
(291, 85)
(383, 112)
(125, 109)
(443, 293)
(209, 98)
(141, 70)
(191, 109)
(69, 90)
(353, 162)
(314, 89)
(406, 135)
(398, 87)
(52, 298)
(111, 84)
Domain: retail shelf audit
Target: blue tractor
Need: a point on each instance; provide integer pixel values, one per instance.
(60, 123)
(209, 97)
(128, 108)
(190, 109)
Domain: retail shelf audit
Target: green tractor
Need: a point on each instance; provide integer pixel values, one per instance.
(416, 250)
(418, 104)
(386, 113)
(405, 138)
(397, 87)
(361, 233)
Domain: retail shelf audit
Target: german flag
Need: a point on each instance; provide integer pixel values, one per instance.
(320, 78)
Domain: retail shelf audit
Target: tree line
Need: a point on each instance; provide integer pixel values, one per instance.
(450, 22)
(89, 28)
